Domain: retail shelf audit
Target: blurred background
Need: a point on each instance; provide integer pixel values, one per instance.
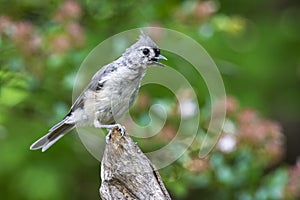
(255, 44)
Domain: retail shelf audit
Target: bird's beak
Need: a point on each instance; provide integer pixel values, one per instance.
(159, 57)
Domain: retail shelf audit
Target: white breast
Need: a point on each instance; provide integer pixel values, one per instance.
(114, 99)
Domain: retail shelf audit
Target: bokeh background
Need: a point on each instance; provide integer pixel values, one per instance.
(255, 44)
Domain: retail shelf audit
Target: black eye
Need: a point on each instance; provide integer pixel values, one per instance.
(157, 52)
(146, 51)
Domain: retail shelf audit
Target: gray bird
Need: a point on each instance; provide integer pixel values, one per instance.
(109, 94)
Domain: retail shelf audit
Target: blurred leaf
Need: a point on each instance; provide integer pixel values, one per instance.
(12, 96)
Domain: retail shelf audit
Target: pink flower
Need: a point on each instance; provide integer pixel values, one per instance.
(205, 9)
(168, 133)
(293, 184)
(228, 104)
(247, 116)
(22, 31)
(24, 36)
(231, 105)
(263, 134)
(5, 24)
(75, 31)
(197, 165)
(60, 43)
(69, 10)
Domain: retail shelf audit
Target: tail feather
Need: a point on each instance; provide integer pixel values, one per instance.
(54, 134)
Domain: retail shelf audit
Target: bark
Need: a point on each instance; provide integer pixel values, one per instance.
(126, 173)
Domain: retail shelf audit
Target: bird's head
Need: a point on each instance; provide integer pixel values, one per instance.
(144, 52)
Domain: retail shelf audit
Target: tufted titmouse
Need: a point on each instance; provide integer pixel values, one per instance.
(109, 94)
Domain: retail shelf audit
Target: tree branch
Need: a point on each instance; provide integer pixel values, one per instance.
(126, 173)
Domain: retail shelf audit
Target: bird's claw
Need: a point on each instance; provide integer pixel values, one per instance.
(108, 137)
(121, 129)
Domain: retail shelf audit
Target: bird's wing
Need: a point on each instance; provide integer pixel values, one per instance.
(79, 102)
(93, 85)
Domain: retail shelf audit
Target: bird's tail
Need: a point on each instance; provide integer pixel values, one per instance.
(55, 133)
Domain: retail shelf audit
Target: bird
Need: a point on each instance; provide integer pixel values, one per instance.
(109, 94)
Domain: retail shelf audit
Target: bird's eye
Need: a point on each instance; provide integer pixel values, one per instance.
(157, 52)
(146, 51)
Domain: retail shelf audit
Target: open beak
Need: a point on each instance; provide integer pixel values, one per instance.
(159, 57)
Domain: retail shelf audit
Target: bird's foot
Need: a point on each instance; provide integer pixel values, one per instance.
(108, 137)
(110, 127)
(121, 129)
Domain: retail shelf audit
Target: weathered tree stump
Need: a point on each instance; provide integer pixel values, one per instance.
(127, 173)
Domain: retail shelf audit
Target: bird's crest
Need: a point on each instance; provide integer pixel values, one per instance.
(144, 40)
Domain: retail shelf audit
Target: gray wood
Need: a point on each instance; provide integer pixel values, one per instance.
(126, 173)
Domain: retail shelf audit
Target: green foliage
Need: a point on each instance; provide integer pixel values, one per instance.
(242, 166)
(255, 45)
